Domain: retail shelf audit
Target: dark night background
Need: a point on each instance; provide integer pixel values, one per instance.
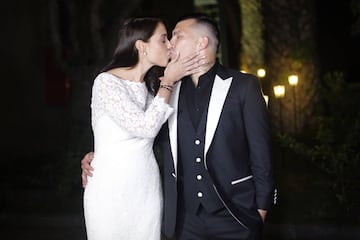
(52, 49)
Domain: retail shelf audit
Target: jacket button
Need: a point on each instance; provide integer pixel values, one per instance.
(200, 194)
(198, 159)
(197, 141)
(199, 177)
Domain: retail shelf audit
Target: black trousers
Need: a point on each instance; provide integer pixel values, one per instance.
(219, 225)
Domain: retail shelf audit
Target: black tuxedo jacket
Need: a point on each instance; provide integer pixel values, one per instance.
(237, 150)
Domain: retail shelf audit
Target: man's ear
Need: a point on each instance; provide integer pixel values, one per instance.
(203, 42)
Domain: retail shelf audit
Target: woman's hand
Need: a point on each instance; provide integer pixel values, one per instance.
(180, 67)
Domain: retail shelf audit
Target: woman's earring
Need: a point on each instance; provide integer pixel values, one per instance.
(145, 53)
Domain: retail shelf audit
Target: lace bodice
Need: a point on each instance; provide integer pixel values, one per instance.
(129, 105)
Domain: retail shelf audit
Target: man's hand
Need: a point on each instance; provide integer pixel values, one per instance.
(262, 214)
(86, 167)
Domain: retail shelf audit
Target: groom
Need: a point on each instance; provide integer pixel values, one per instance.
(218, 179)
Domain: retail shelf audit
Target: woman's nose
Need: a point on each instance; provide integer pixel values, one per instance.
(172, 42)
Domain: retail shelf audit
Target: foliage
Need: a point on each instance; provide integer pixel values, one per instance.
(334, 145)
(355, 7)
(84, 30)
(252, 35)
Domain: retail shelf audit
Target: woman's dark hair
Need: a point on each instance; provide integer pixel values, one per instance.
(126, 54)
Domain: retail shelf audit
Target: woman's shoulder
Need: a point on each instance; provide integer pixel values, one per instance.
(106, 80)
(105, 76)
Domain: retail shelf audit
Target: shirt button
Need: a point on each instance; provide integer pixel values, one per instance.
(198, 159)
(197, 141)
(200, 194)
(199, 177)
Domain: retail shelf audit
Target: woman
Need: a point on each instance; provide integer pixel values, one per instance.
(123, 199)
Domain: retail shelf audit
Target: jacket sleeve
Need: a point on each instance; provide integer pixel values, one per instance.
(257, 130)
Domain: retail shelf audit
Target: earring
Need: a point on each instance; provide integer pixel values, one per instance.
(145, 53)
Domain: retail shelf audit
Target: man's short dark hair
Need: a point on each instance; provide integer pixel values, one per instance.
(206, 20)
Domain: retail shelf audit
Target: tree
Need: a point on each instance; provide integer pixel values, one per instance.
(252, 39)
(290, 49)
(81, 34)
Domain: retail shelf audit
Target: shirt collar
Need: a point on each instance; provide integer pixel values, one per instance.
(210, 75)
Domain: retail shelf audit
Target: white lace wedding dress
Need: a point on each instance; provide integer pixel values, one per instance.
(123, 199)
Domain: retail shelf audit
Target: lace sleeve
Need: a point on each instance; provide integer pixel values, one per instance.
(111, 97)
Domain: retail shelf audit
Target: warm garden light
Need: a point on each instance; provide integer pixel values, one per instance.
(261, 72)
(293, 80)
(279, 91)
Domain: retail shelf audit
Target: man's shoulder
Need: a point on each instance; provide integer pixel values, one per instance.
(227, 72)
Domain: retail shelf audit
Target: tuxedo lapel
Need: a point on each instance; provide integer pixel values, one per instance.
(174, 102)
(216, 103)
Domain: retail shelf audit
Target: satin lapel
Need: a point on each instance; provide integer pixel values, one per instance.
(216, 103)
(174, 101)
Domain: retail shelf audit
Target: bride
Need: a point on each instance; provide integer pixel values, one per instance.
(123, 198)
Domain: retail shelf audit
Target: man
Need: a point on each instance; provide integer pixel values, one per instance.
(218, 180)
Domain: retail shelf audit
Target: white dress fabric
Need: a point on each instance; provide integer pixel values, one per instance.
(123, 198)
